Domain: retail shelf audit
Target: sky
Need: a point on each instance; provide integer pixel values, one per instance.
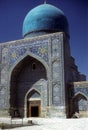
(13, 12)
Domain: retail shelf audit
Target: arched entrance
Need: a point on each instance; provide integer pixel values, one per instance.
(80, 104)
(26, 73)
(33, 104)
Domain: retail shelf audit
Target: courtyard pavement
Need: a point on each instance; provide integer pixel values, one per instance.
(49, 123)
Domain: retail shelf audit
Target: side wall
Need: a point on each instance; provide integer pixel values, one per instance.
(79, 99)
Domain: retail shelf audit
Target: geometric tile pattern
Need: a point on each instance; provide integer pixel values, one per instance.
(39, 48)
(83, 90)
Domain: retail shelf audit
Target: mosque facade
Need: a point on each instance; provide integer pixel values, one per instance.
(38, 75)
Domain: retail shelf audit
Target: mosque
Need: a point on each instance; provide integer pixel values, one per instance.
(38, 75)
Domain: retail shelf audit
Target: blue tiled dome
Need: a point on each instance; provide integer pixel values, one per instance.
(43, 19)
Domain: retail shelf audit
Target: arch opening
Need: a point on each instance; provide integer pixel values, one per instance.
(23, 78)
(80, 104)
(33, 104)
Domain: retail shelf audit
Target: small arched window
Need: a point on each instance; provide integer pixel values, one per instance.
(34, 66)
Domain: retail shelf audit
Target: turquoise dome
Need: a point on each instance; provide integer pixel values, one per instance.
(44, 19)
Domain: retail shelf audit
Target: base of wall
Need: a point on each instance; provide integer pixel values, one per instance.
(49, 112)
(53, 111)
(4, 113)
(83, 114)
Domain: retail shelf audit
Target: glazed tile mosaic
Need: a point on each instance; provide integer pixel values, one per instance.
(40, 49)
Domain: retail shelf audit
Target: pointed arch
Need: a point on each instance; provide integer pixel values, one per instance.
(19, 75)
(79, 103)
(33, 56)
(80, 94)
(29, 92)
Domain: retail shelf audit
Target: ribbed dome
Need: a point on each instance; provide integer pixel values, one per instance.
(43, 19)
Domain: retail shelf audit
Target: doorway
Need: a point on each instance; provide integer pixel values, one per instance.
(34, 108)
(34, 111)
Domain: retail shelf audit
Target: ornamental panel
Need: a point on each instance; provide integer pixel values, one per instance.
(38, 48)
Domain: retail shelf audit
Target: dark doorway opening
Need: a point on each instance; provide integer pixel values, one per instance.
(34, 108)
(34, 111)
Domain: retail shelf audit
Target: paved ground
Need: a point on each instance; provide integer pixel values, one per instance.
(51, 124)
